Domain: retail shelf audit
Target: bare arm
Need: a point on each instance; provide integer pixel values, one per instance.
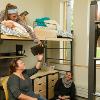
(25, 97)
(8, 24)
(34, 70)
(39, 61)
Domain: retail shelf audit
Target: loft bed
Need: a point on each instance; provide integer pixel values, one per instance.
(41, 34)
(40, 37)
(9, 37)
(20, 33)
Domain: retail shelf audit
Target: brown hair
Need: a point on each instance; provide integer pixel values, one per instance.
(13, 65)
(9, 6)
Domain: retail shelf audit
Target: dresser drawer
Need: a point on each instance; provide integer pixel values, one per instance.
(41, 92)
(40, 80)
(52, 83)
(41, 86)
(52, 79)
(50, 92)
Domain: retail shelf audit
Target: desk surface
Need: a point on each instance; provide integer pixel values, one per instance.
(43, 73)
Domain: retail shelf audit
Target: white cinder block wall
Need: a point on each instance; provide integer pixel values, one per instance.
(81, 42)
(10, 46)
(36, 8)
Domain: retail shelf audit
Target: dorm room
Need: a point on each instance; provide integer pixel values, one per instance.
(53, 22)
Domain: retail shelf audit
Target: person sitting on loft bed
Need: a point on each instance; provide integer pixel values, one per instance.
(65, 88)
(11, 13)
(19, 83)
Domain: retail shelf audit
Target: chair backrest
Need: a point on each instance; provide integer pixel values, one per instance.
(4, 84)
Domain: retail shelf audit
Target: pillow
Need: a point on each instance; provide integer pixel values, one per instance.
(45, 33)
(51, 24)
(16, 30)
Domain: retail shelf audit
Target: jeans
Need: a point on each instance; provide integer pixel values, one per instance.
(32, 94)
(41, 98)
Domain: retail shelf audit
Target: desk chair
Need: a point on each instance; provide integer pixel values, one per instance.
(4, 84)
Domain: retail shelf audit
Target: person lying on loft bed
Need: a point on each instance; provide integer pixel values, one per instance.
(65, 88)
(11, 13)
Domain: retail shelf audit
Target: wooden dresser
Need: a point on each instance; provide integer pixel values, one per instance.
(52, 79)
(44, 82)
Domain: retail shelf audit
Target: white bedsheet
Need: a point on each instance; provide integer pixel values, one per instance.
(18, 30)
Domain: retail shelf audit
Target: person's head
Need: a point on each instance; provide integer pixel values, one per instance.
(68, 75)
(11, 12)
(17, 65)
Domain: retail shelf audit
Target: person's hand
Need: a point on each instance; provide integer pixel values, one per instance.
(64, 97)
(59, 97)
(67, 97)
(34, 99)
(22, 18)
(40, 57)
(8, 24)
(40, 43)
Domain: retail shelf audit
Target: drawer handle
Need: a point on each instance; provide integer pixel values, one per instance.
(52, 86)
(40, 90)
(40, 77)
(52, 80)
(40, 84)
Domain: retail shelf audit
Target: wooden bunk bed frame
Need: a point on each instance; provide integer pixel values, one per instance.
(8, 37)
